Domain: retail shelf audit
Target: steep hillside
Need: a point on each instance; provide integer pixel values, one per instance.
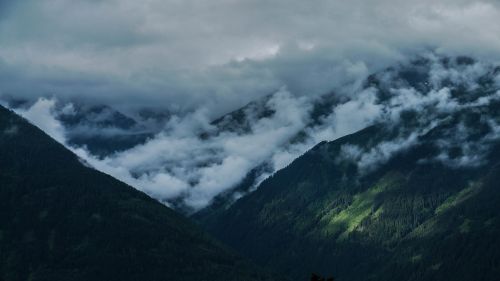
(62, 220)
(414, 197)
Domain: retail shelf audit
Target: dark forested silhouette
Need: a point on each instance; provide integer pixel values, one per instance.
(316, 277)
(61, 220)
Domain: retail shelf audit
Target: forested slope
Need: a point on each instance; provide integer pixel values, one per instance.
(413, 197)
(61, 220)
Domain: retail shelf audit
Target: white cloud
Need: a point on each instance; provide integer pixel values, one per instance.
(178, 162)
(434, 107)
(40, 114)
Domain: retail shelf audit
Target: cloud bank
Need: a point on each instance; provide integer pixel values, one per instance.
(191, 160)
(223, 53)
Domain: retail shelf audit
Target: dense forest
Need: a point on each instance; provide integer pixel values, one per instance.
(415, 199)
(61, 220)
(414, 196)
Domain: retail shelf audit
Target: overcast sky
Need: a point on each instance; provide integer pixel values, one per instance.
(179, 54)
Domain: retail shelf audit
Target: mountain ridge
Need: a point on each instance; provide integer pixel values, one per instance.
(412, 197)
(65, 221)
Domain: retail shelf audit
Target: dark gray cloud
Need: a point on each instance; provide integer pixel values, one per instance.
(224, 53)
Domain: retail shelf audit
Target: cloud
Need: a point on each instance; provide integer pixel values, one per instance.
(40, 114)
(178, 162)
(190, 160)
(456, 94)
(223, 53)
(369, 159)
(207, 167)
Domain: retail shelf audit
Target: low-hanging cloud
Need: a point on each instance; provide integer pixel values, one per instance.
(460, 145)
(180, 163)
(193, 159)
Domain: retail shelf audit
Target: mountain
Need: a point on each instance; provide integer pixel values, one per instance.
(62, 220)
(414, 196)
(241, 122)
(101, 129)
(87, 126)
(104, 131)
(109, 136)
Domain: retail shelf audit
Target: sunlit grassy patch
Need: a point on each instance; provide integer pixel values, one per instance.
(362, 206)
(416, 258)
(458, 198)
(430, 226)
